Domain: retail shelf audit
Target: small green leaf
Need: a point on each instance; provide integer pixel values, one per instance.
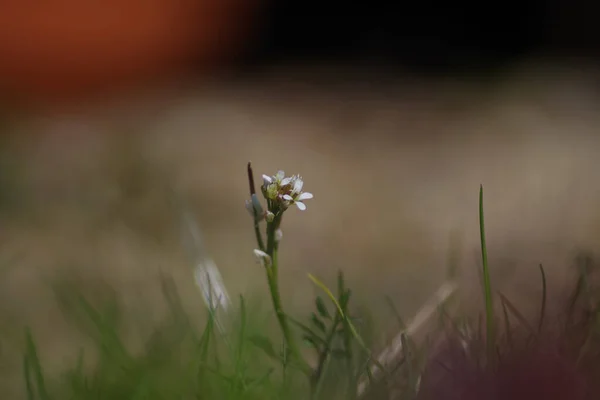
(345, 299)
(264, 343)
(310, 342)
(306, 330)
(318, 323)
(322, 308)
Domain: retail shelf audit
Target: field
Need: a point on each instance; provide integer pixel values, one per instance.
(394, 166)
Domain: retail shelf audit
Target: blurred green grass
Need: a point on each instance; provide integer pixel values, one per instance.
(392, 177)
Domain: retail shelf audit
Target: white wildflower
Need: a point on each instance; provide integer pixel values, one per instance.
(295, 195)
(285, 190)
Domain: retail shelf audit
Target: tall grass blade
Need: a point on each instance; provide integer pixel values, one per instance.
(544, 294)
(487, 284)
(347, 322)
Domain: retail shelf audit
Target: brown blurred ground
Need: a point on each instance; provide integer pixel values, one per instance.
(395, 169)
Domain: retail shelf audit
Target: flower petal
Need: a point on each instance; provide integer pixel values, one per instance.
(288, 197)
(298, 183)
(304, 196)
(286, 181)
(300, 205)
(267, 180)
(279, 175)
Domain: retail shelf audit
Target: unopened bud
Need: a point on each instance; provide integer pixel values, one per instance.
(278, 235)
(263, 258)
(270, 216)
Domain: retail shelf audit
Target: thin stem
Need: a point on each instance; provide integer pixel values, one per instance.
(272, 277)
(324, 357)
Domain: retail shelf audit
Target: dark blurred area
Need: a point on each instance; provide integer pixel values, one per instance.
(432, 36)
(64, 50)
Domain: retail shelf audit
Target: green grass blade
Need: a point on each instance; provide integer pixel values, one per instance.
(487, 284)
(35, 365)
(308, 331)
(515, 311)
(346, 321)
(240, 350)
(322, 308)
(544, 293)
(264, 343)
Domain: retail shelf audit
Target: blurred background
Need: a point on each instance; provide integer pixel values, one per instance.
(65, 49)
(393, 112)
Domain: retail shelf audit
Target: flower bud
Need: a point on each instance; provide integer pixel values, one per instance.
(263, 258)
(270, 216)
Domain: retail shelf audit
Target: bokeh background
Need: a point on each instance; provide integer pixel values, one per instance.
(394, 113)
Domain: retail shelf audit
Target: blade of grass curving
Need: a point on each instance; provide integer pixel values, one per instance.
(515, 311)
(35, 366)
(543, 306)
(347, 321)
(487, 285)
(339, 309)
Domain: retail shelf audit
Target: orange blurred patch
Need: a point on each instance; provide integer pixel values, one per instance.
(57, 50)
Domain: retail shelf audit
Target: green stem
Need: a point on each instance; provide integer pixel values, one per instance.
(272, 278)
(324, 357)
